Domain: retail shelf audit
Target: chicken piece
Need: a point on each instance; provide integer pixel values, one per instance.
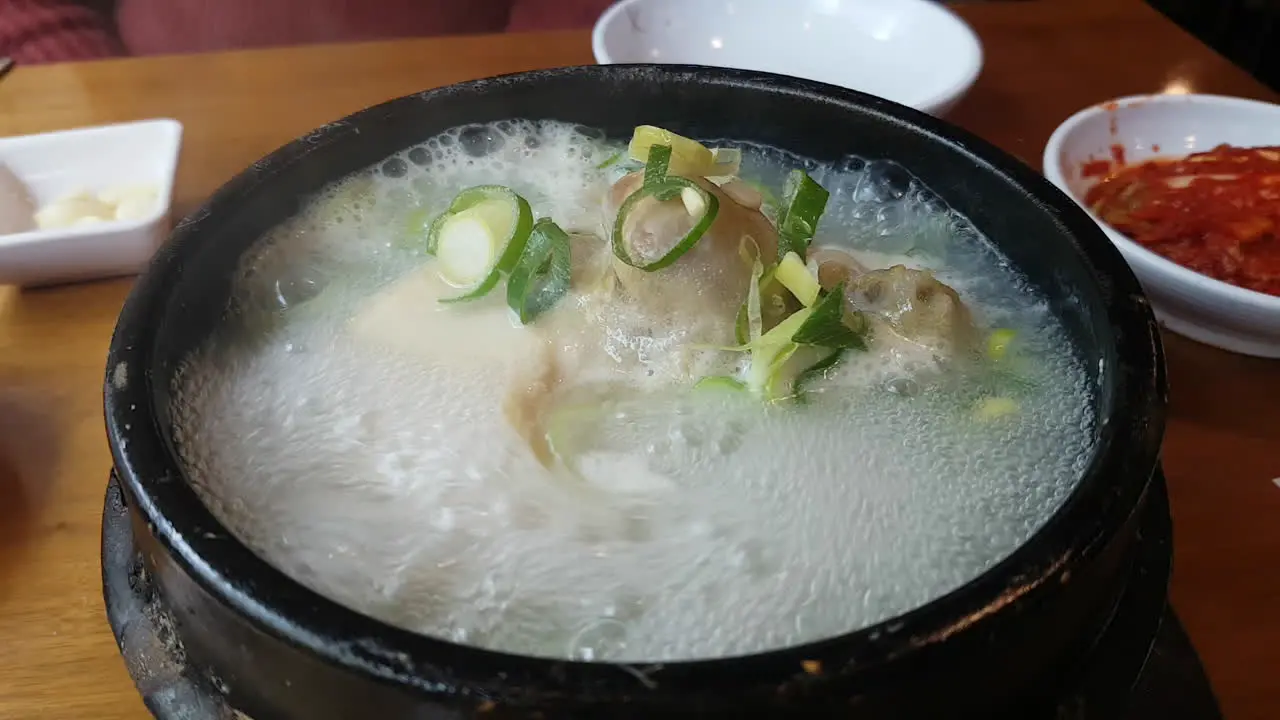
(915, 306)
(713, 277)
(529, 366)
(835, 267)
(743, 194)
(529, 400)
(407, 318)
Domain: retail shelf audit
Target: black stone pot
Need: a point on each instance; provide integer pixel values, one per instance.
(993, 648)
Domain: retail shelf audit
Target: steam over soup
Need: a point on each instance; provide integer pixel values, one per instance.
(691, 403)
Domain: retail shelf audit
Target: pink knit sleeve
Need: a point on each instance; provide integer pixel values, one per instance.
(38, 31)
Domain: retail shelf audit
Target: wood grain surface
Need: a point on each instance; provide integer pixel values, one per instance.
(1045, 59)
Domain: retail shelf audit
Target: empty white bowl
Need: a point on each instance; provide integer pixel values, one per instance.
(1143, 127)
(914, 52)
(92, 160)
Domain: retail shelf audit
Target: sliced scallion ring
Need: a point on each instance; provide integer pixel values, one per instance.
(480, 236)
(803, 202)
(543, 273)
(433, 232)
(663, 187)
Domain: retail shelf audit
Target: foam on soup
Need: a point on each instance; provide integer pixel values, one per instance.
(358, 435)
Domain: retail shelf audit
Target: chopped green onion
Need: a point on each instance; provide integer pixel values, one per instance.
(433, 232)
(687, 157)
(725, 163)
(771, 388)
(611, 160)
(719, 382)
(481, 236)
(788, 328)
(657, 169)
(663, 187)
(823, 325)
(815, 371)
(542, 275)
(998, 343)
(829, 326)
(766, 303)
(781, 332)
(742, 325)
(750, 325)
(470, 246)
(803, 202)
(795, 277)
(770, 352)
(694, 202)
(994, 408)
(767, 361)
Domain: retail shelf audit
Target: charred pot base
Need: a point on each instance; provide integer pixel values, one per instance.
(149, 633)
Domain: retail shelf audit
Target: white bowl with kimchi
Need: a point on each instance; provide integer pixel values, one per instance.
(1188, 188)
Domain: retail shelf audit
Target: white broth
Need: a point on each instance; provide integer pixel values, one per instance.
(560, 488)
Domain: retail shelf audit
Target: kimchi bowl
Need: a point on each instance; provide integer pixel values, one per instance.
(1126, 132)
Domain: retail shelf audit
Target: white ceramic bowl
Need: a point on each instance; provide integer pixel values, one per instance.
(914, 52)
(1186, 302)
(92, 159)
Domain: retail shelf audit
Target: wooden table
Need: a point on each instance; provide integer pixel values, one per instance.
(1045, 60)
